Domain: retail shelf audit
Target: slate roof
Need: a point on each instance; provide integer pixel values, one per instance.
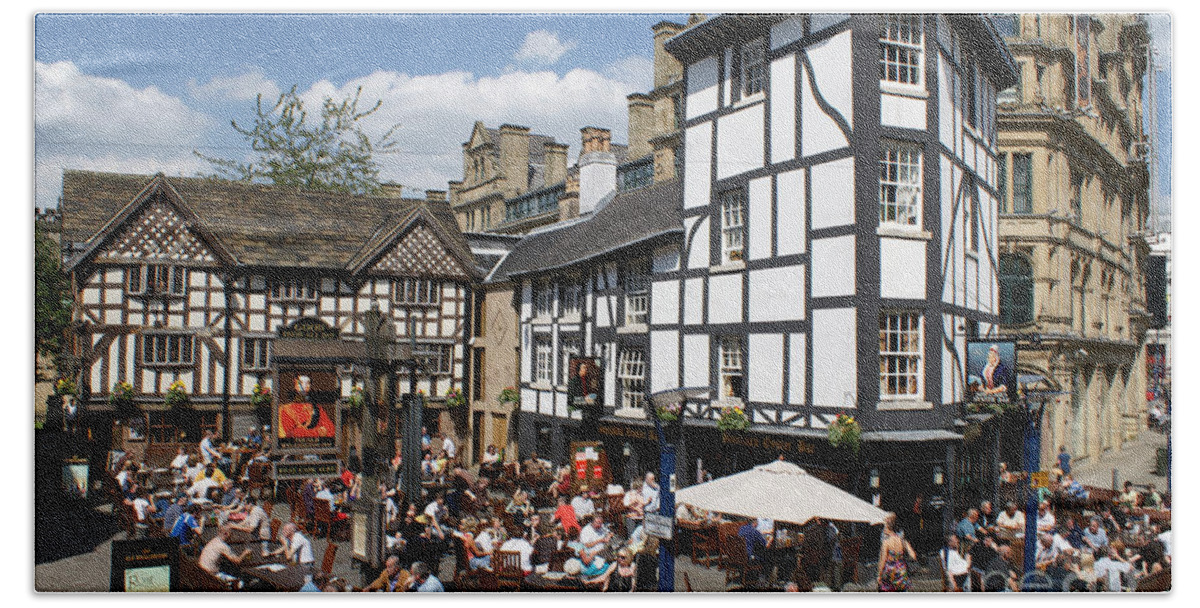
(630, 218)
(258, 225)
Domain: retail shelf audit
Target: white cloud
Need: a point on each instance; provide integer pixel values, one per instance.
(88, 122)
(543, 47)
(243, 87)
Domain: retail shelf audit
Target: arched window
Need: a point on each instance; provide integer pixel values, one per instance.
(1016, 290)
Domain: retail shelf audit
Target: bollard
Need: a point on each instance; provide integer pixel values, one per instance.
(1114, 481)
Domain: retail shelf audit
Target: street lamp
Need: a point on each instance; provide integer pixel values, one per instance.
(671, 399)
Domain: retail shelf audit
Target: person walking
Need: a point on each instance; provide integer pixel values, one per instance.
(893, 568)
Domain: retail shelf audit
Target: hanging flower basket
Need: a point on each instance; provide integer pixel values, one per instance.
(845, 432)
(669, 413)
(66, 386)
(176, 397)
(455, 399)
(509, 396)
(733, 418)
(356, 400)
(121, 398)
(261, 397)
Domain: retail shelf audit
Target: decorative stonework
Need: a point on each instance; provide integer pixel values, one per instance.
(158, 233)
(419, 253)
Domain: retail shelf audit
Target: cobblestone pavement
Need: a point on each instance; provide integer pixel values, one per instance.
(1135, 462)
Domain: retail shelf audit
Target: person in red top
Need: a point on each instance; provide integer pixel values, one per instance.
(347, 477)
(565, 514)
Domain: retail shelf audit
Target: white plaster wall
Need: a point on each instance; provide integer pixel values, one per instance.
(777, 294)
(602, 312)
(695, 360)
(902, 268)
(701, 87)
(610, 374)
(947, 201)
(725, 77)
(818, 132)
(560, 405)
(902, 111)
(783, 106)
(664, 302)
(740, 141)
(833, 194)
(698, 254)
(697, 165)
(833, 67)
(725, 298)
(948, 376)
(833, 267)
(790, 213)
(765, 368)
(834, 358)
(787, 31)
(945, 104)
(760, 218)
(797, 373)
(693, 302)
(664, 365)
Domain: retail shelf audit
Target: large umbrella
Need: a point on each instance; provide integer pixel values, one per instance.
(780, 491)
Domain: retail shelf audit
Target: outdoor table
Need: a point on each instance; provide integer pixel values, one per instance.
(553, 581)
(289, 578)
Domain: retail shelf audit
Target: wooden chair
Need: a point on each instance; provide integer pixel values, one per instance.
(851, 552)
(739, 563)
(560, 557)
(327, 560)
(322, 517)
(257, 478)
(507, 565)
(704, 543)
(486, 581)
(727, 536)
(276, 524)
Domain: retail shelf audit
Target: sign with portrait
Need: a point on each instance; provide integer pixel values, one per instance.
(991, 372)
(585, 383)
(306, 411)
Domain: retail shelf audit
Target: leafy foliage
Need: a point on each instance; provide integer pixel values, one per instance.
(52, 295)
(845, 432)
(332, 153)
(733, 418)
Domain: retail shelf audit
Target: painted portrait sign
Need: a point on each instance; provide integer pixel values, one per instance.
(991, 372)
(306, 417)
(585, 382)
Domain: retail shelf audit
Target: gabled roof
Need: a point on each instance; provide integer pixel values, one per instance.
(633, 217)
(253, 224)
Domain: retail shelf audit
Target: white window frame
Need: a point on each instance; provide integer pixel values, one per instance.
(902, 51)
(637, 297)
(901, 355)
(414, 291)
(731, 364)
(754, 69)
(569, 345)
(733, 226)
(256, 354)
(543, 359)
(631, 371)
(901, 196)
(543, 297)
(295, 290)
(175, 280)
(570, 299)
(161, 349)
(437, 357)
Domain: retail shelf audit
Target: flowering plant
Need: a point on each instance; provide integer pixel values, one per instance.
(454, 398)
(122, 393)
(670, 412)
(733, 418)
(509, 395)
(355, 400)
(261, 397)
(65, 386)
(176, 395)
(845, 431)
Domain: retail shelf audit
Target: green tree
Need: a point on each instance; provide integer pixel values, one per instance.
(52, 294)
(332, 153)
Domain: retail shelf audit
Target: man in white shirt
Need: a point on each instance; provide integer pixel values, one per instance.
(296, 548)
(582, 504)
(595, 536)
(1011, 519)
(955, 566)
(1110, 569)
(207, 451)
(521, 545)
(180, 462)
(1045, 520)
(449, 448)
(199, 490)
(650, 492)
(256, 521)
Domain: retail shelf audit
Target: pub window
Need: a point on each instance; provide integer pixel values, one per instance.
(754, 68)
(901, 46)
(1022, 191)
(637, 297)
(437, 358)
(157, 279)
(421, 292)
(569, 345)
(1016, 289)
(732, 374)
(632, 373)
(295, 290)
(900, 185)
(900, 355)
(167, 349)
(570, 299)
(256, 353)
(544, 360)
(733, 226)
(544, 300)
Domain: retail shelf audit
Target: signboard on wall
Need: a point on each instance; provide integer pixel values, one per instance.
(306, 412)
(590, 464)
(145, 565)
(585, 383)
(991, 372)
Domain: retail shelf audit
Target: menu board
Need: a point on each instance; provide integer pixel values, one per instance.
(145, 565)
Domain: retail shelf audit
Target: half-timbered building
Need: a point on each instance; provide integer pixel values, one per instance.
(191, 280)
(829, 247)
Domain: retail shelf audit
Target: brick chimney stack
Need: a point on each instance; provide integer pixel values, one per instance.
(556, 163)
(597, 168)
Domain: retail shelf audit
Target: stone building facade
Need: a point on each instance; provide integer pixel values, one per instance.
(1073, 211)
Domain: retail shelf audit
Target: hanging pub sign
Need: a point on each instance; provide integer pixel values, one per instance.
(591, 465)
(991, 372)
(305, 412)
(585, 383)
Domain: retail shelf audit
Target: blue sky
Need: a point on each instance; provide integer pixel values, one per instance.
(139, 92)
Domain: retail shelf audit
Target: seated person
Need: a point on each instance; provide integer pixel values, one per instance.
(521, 545)
(180, 463)
(217, 548)
(1073, 489)
(187, 529)
(1130, 497)
(1154, 500)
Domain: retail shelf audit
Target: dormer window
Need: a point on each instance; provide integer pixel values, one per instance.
(420, 292)
(157, 279)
